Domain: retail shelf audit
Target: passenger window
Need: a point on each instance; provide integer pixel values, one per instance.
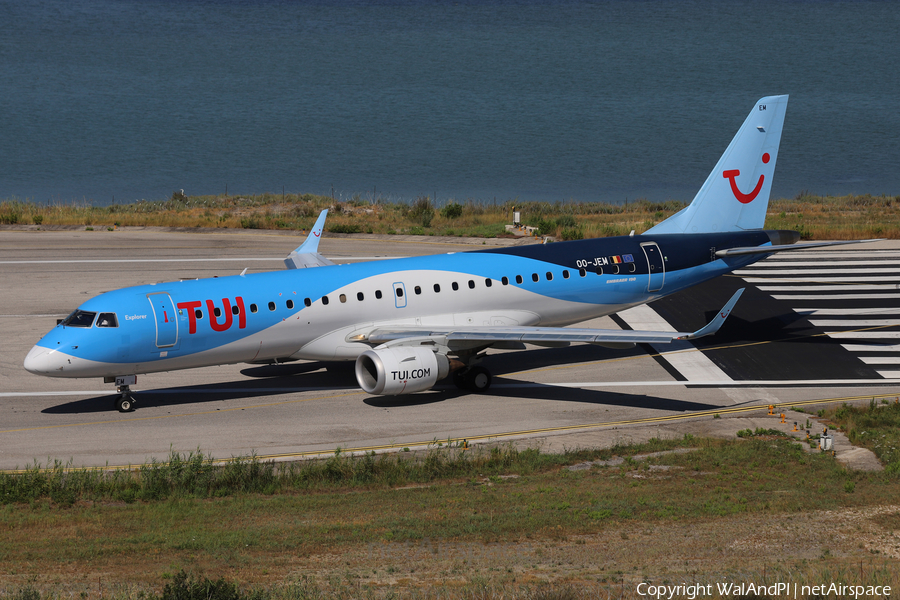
(107, 320)
(519, 279)
(253, 308)
(235, 309)
(437, 288)
(217, 311)
(359, 296)
(325, 300)
(271, 306)
(471, 285)
(504, 280)
(378, 294)
(455, 286)
(343, 298)
(582, 272)
(565, 274)
(418, 291)
(289, 304)
(307, 302)
(549, 276)
(487, 283)
(535, 277)
(198, 314)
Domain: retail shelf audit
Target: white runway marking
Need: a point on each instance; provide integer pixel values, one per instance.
(841, 312)
(889, 374)
(692, 365)
(855, 323)
(770, 265)
(867, 271)
(850, 287)
(865, 335)
(776, 276)
(831, 271)
(872, 347)
(880, 360)
(832, 297)
(841, 255)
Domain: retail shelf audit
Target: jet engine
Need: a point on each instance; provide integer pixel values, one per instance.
(400, 370)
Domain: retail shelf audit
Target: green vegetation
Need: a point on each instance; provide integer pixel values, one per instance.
(816, 217)
(354, 525)
(875, 426)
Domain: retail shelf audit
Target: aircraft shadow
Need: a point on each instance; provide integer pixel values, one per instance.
(283, 380)
(276, 380)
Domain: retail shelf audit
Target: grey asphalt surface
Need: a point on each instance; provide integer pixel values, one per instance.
(307, 407)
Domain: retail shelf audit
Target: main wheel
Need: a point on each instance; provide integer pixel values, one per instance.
(124, 404)
(478, 379)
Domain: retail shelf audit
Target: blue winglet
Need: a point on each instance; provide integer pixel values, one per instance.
(307, 253)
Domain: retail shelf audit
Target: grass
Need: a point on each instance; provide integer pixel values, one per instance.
(876, 427)
(816, 217)
(445, 523)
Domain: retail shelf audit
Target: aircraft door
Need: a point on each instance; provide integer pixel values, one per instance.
(166, 319)
(656, 266)
(399, 295)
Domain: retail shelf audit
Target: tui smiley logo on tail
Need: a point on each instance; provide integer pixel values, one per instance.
(743, 198)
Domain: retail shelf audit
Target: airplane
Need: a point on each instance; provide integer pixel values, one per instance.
(411, 322)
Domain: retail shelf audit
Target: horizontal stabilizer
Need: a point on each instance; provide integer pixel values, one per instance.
(307, 254)
(784, 248)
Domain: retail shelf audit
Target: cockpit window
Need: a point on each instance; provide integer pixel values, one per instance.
(107, 320)
(79, 318)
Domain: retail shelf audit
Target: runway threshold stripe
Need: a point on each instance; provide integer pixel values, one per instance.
(880, 360)
(770, 272)
(840, 279)
(828, 288)
(830, 297)
(842, 254)
(767, 266)
(682, 355)
(871, 347)
(842, 312)
(864, 335)
(854, 322)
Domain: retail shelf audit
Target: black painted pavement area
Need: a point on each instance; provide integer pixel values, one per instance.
(763, 339)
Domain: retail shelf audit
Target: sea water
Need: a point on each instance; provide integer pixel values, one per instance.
(490, 100)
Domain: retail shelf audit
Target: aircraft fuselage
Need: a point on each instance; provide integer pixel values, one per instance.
(319, 313)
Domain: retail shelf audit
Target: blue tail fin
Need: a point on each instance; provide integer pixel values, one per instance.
(735, 196)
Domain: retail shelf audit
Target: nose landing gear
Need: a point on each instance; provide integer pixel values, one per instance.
(124, 402)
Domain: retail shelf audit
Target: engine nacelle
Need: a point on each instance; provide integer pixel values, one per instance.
(400, 370)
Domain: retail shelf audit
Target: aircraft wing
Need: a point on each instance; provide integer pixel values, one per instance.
(307, 254)
(467, 337)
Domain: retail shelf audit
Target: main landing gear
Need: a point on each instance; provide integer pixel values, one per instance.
(472, 379)
(124, 402)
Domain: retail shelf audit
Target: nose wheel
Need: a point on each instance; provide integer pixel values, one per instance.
(125, 401)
